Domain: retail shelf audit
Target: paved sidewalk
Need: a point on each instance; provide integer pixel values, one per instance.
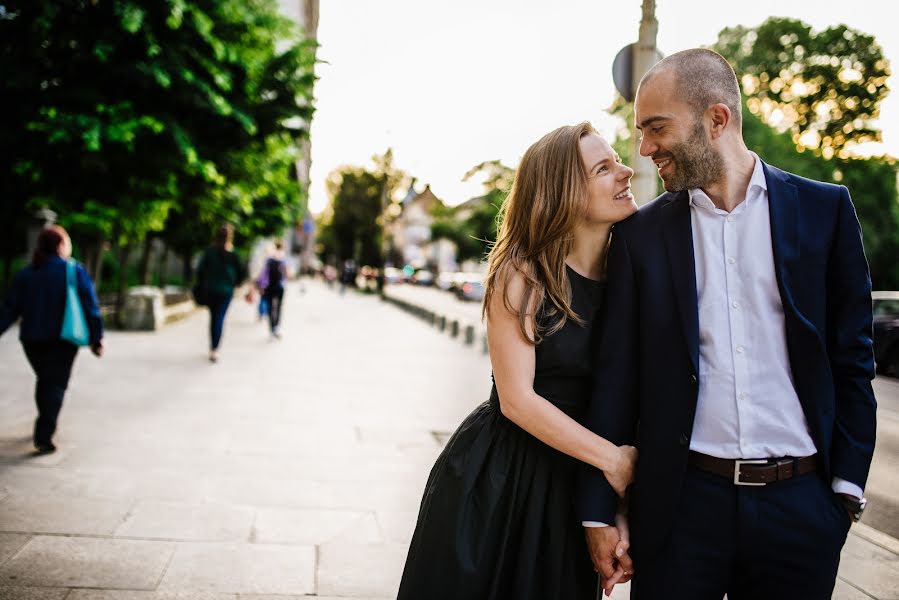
(290, 469)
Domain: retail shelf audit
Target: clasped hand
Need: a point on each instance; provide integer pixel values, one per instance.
(608, 548)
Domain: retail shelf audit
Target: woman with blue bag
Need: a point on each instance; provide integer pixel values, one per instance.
(55, 298)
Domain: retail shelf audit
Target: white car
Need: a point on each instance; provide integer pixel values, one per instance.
(393, 275)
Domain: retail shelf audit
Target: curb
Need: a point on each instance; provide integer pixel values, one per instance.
(876, 537)
(472, 334)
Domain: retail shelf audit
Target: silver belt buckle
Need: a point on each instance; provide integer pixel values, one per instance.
(739, 463)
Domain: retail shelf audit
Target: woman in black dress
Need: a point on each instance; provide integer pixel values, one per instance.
(497, 519)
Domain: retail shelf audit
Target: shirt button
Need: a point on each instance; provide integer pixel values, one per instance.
(729, 218)
(735, 304)
(740, 349)
(731, 260)
(742, 395)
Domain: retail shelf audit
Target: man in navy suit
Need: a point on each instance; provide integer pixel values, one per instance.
(736, 355)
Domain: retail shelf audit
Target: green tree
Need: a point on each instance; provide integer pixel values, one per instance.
(124, 113)
(475, 232)
(825, 87)
(356, 195)
(361, 201)
(808, 100)
(872, 183)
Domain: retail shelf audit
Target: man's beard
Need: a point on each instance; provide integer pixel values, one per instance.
(696, 163)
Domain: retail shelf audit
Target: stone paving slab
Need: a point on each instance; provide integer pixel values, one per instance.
(10, 543)
(21, 451)
(318, 598)
(360, 569)
(241, 569)
(57, 561)
(313, 527)
(129, 595)
(107, 483)
(32, 593)
(187, 522)
(397, 525)
(59, 514)
(844, 591)
(311, 494)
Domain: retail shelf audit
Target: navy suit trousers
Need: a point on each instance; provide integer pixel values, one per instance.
(780, 541)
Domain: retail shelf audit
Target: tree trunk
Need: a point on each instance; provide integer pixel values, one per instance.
(162, 267)
(122, 289)
(99, 250)
(87, 255)
(186, 270)
(93, 258)
(144, 265)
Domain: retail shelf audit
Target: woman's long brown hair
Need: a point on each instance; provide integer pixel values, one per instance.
(537, 221)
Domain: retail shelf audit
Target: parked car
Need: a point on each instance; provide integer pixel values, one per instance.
(445, 280)
(423, 277)
(393, 275)
(460, 278)
(471, 288)
(886, 332)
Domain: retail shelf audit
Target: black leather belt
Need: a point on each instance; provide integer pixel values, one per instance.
(760, 471)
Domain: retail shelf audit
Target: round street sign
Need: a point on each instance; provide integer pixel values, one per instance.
(622, 72)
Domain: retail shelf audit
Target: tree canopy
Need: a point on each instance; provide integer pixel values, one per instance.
(475, 233)
(825, 87)
(362, 201)
(123, 116)
(809, 101)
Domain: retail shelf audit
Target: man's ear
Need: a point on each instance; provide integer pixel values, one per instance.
(720, 116)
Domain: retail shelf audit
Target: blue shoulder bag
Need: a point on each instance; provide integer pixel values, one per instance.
(74, 325)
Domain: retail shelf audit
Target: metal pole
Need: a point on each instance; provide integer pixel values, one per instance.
(644, 183)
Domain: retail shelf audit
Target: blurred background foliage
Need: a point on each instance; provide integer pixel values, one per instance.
(135, 120)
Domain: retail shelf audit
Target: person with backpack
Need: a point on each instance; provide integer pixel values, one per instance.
(276, 274)
(40, 294)
(218, 273)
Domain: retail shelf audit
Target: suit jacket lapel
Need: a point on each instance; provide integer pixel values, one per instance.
(678, 234)
(783, 210)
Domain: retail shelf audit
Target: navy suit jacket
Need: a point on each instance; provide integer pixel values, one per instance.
(38, 295)
(648, 358)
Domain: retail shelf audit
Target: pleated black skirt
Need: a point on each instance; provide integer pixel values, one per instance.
(497, 520)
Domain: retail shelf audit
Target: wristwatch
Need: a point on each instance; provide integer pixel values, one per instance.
(855, 506)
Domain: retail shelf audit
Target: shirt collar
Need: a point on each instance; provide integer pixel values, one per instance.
(756, 182)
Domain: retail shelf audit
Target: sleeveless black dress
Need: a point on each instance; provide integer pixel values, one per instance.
(497, 520)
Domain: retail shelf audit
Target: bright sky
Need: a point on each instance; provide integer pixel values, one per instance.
(451, 83)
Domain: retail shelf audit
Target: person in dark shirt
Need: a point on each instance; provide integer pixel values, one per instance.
(276, 272)
(38, 297)
(218, 273)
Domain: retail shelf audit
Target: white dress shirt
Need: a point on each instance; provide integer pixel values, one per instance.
(747, 406)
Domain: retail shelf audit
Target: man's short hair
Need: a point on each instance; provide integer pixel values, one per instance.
(703, 77)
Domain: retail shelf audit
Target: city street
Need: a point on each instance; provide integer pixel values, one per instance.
(290, 469)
